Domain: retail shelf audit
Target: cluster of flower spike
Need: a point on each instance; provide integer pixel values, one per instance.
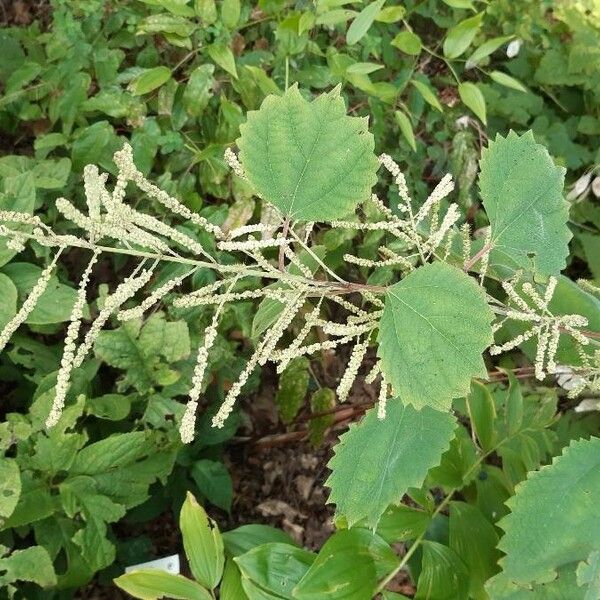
(263, 252)
(532, 307)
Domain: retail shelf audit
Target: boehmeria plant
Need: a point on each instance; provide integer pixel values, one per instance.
(457, 294)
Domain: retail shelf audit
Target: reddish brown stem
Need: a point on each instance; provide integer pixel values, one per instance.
(469, 264)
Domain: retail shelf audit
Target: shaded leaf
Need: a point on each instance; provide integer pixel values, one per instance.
(360, 25)
(214, 481)
(443, 576)
(459, 37)
(472, 97)
(149, 80)
(406, 128)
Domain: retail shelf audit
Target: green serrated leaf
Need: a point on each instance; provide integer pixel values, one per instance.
(282, 148)
(32, 564)
(555, 516)
(434, 329)
(364, 481)
(588, 576)
(564, 587)
(10, 486)
(521, 188)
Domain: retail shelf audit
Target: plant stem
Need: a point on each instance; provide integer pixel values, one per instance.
(480, 254)
(413, 547)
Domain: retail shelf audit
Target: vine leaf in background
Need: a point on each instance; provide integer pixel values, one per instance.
(319, 161)
(522, 191)
(555, 516)
(366, 477)
(434, 328)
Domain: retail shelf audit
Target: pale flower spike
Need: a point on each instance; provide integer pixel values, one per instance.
(546, 326)
(30, 302)
(405, 241)
(63, 379)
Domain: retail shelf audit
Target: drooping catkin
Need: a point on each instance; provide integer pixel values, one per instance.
(188, 421)
(29, 304)
(264, 352)
(356, 358)
(63, 379)
(382, 400)
(125, 290)
(138, 311)
(441, 190)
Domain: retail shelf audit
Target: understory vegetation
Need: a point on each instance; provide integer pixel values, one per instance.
(241, 239)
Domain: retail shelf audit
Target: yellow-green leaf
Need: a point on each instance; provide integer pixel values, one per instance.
(149, 80)
(359, 27)
(202, 542)
(428, 94)
(408, 42)
(151, 584)
(223, 56)
(472, 97)
(507, 81)
(406, 129)
(459, 37)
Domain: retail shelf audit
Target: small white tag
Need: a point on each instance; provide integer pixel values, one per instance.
(170, 564)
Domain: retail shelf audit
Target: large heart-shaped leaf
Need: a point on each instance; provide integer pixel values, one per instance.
(522, 191)
(309, 159)
(434, 328)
